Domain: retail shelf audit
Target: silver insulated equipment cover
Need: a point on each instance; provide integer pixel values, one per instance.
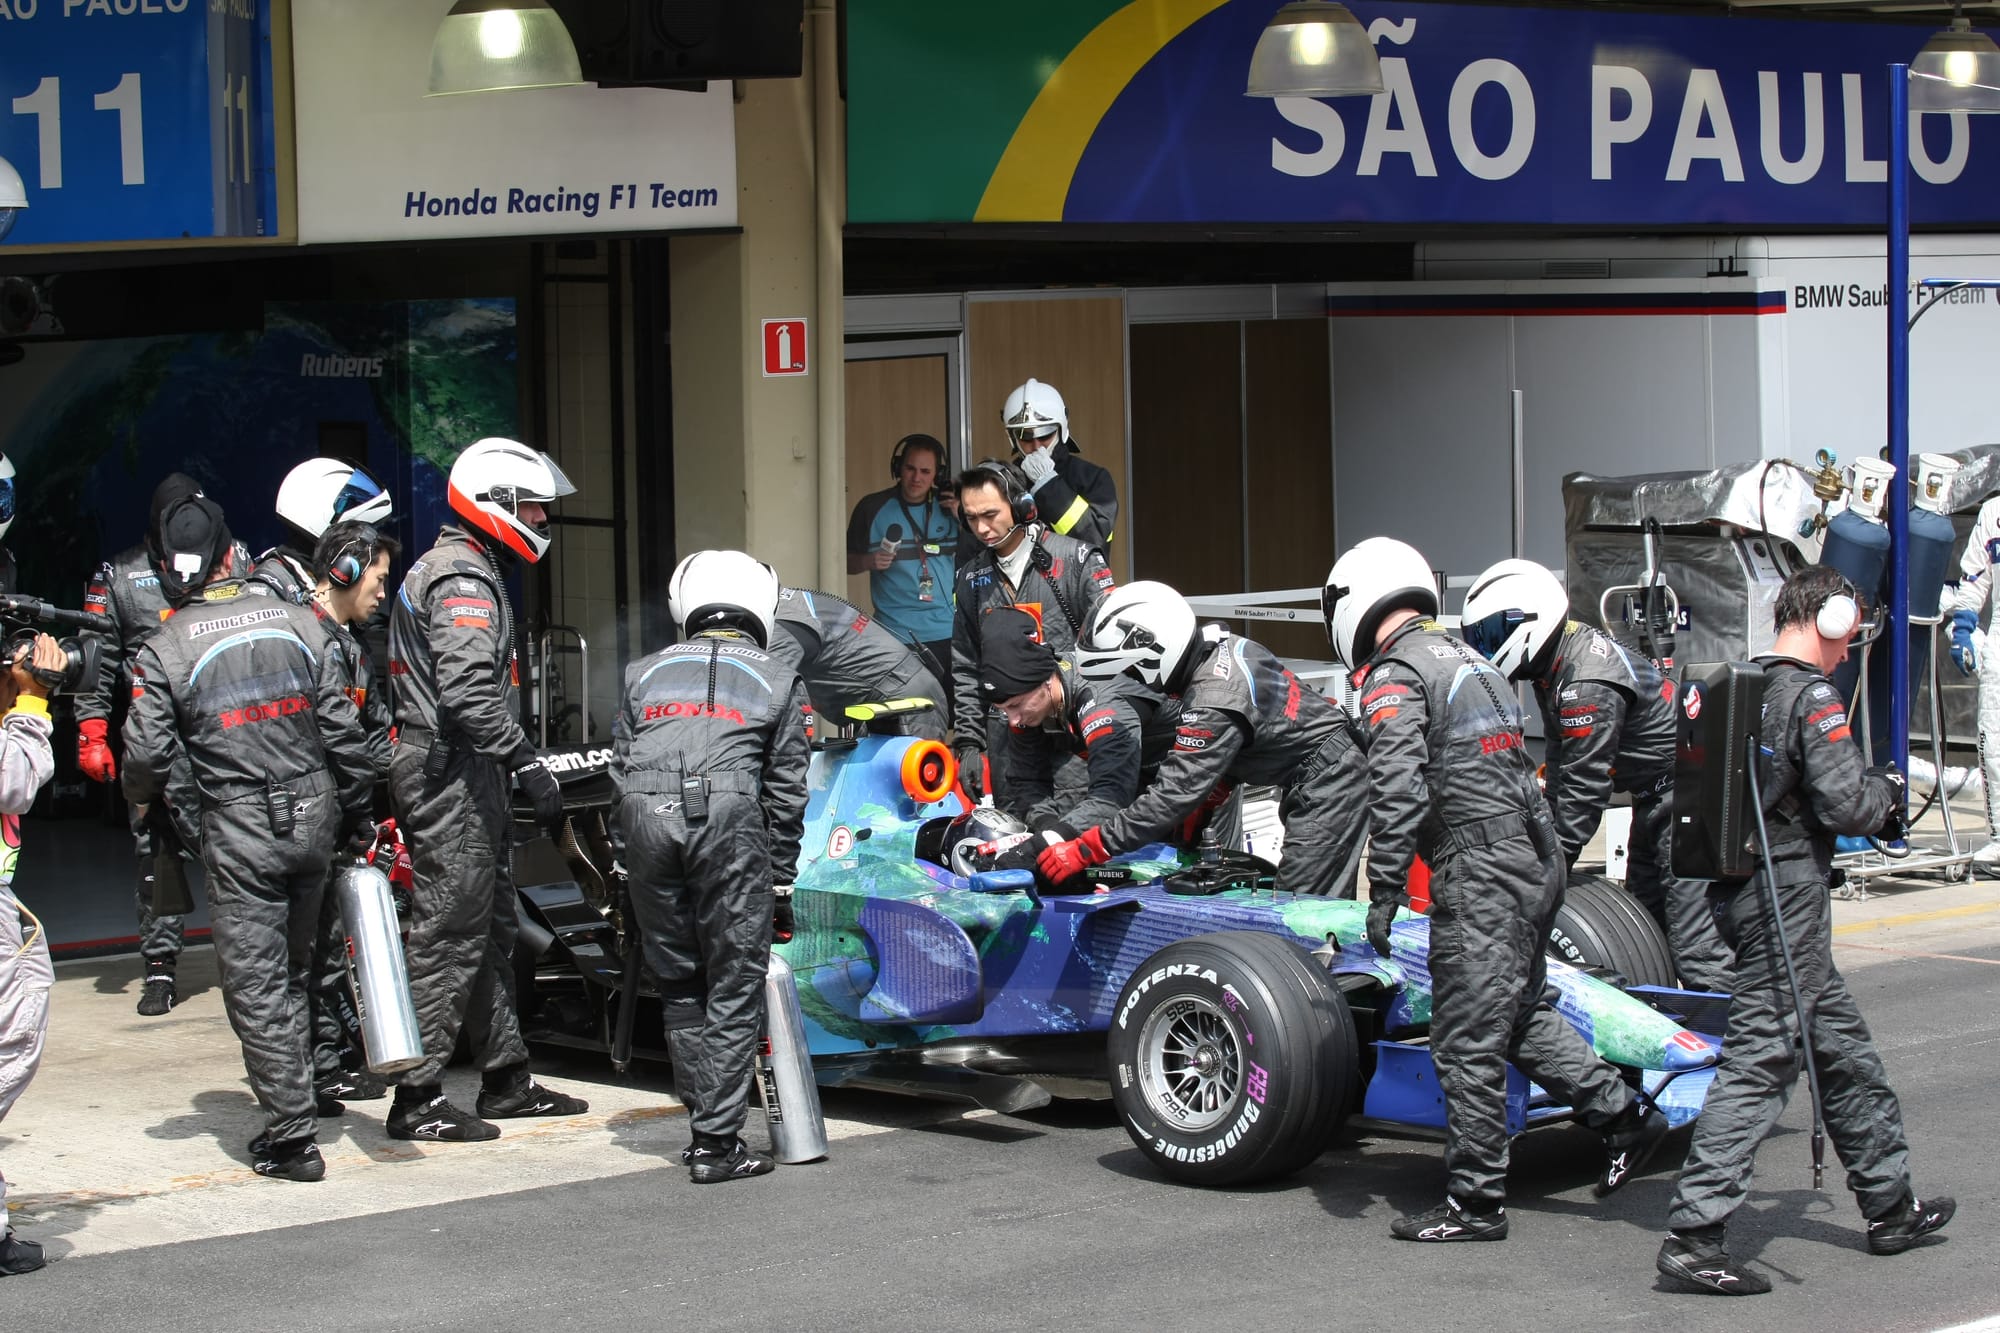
(375, 964)
(785, 1075)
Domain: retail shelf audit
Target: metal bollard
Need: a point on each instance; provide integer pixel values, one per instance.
(375, 962)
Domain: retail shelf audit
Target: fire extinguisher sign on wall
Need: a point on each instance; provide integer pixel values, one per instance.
(784, 347)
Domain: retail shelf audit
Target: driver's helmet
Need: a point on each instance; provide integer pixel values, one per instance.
(970, 843)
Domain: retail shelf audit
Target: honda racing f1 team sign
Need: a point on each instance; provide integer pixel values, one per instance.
(378, 160)
(1104, 111)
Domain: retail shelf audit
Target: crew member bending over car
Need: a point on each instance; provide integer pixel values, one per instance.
(845, 658)
(1121, 728)
(1449, 778)
(1244, 718)
(709, 758)
(1815, 786)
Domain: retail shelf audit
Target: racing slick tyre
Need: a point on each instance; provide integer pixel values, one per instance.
(1233, 1058)
(1603, 929)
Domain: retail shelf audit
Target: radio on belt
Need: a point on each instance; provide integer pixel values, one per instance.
(1721, 709)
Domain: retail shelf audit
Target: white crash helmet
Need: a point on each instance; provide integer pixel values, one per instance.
(1372, 579)
(1144, 630)
(489, 482)
(323, 491)
(8, 498)
(712, 589)
(970, 843)
(1514, 616)
(1032, 409)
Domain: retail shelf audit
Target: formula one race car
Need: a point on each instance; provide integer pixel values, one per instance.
(1236, 1027)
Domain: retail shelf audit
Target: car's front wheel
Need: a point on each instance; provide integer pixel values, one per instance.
(1233, 1058)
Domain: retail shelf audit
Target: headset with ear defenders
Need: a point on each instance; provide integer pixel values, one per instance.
(920, 440)
(1013, 484)
(352, 560)
(1838, 616)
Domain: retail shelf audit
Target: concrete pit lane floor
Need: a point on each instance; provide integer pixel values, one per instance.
(127, 1158)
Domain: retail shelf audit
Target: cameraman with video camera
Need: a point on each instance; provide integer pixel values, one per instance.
(35, 666)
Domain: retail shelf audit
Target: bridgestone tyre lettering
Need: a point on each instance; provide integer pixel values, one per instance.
(1603, 929)
(1232, 1057)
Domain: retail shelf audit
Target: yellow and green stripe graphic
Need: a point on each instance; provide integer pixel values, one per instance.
(961, 112)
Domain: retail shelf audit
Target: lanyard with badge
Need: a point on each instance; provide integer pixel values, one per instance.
(926, 546)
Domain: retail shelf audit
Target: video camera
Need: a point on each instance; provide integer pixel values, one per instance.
(20, 617)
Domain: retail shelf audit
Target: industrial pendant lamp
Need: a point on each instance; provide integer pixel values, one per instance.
(1314, 48)
(1958, 70)
(13, 197)
(487, 45)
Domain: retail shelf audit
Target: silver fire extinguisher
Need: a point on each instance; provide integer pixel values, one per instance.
(375, 963)
(784, 1072)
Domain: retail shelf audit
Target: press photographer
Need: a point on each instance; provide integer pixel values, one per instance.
(36, 665)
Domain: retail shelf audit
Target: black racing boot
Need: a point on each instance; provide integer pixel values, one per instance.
(430, 1116)
(326, 1108)
(18, 1256)
(287, 1161)
(1700, 1259)
(1906, 1224)
(711, 1162)
(158, 995)
(1450, 1220)
(512, 1093)
(1629, 1143)
(358, 1086)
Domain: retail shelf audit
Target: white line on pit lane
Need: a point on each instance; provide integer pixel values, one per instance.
(1990, 1324)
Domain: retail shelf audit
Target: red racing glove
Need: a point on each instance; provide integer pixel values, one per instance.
(93, 750)
(1064, 860)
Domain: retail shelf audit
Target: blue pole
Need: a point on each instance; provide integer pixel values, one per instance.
(1898, 626)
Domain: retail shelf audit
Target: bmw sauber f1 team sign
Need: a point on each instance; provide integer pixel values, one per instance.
(1105, 111)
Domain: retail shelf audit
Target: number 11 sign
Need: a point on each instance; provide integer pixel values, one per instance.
(138, 119)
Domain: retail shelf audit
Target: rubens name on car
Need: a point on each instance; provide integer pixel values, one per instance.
(1161, 974)
(1214, 1148)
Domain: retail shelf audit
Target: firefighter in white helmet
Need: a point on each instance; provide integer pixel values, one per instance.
(1075, 496)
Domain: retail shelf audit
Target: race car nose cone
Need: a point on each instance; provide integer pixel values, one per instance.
(1688, 1050)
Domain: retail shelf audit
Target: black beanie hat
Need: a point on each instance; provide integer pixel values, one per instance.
(173, 488)
(1012, 660)
(193, 541)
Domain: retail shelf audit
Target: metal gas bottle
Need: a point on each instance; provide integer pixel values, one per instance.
(375, 964)
(1931, 540)
(1858, 547)
(1931, 533)
(785, 1074)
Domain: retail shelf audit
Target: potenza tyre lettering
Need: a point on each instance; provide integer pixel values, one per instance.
(1161, 974)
